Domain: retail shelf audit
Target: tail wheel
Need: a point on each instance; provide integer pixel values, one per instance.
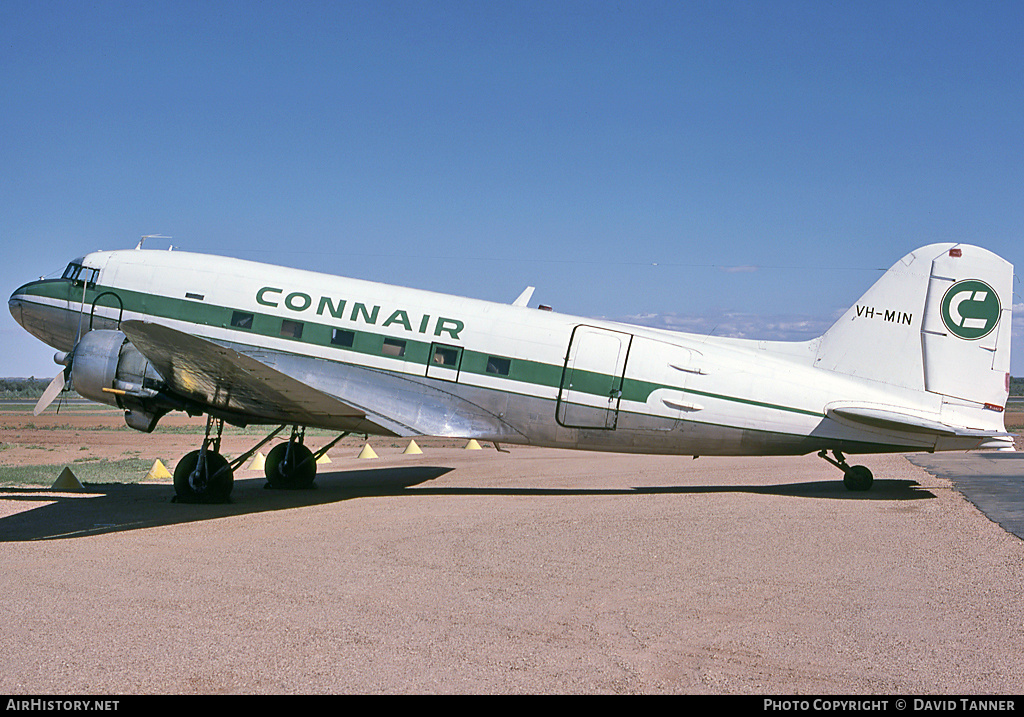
(209, 480)
(289, 466)
(858, 478)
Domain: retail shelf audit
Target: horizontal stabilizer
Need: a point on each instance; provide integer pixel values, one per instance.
(894, 420)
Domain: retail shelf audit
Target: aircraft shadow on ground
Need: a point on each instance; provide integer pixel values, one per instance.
(112, 508)
(832, 490)
(117, 507)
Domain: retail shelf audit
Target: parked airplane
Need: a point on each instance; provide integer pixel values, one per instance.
(919, 363)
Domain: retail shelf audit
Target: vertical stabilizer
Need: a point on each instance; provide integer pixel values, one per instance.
(879, 337)
(937, 321)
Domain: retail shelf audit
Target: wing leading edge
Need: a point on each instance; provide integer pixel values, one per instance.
(232, 383)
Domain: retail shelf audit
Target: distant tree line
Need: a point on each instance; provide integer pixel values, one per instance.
(22, 387)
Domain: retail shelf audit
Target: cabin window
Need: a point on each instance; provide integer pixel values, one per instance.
(241, 320)
(291, 329)
(393, 347)
(498, 365)
(444, 362)
(444, 356)
(341, 337)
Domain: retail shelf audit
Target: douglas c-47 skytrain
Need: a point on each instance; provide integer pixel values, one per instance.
(919, 363)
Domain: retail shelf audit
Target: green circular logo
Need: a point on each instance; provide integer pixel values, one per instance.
(970, 309)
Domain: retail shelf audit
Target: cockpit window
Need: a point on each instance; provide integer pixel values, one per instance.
(76, 273)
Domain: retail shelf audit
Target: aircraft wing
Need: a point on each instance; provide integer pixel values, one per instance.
(233, 384)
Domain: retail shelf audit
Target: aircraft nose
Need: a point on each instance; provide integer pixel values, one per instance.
(15, 304)
(33, 306)
(20, 304)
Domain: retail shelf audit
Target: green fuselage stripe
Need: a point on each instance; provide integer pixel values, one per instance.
(370, 343)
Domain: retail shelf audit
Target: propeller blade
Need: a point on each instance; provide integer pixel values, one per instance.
(51, 392)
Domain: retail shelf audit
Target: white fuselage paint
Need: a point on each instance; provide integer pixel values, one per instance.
(681, 393)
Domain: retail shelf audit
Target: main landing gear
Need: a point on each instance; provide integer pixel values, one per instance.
(205, 476)
(291, 465)
(854, 477)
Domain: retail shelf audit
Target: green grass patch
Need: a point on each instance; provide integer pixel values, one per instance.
(130, 470)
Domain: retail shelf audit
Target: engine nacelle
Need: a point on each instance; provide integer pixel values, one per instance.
(107, 368)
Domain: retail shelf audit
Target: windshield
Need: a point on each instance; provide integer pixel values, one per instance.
(77, 273)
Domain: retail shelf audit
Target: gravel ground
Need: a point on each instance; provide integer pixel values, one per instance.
(533, 571)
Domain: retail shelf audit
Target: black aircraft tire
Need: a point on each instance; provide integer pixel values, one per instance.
(216, 490)
(858, 478)
(297, 472)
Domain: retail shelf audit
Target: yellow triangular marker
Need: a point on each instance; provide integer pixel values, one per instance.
(473, 445)
(158, 472)
(323, 459)
(367, 452)
(67, 481)
(412, 448)
(257, 462)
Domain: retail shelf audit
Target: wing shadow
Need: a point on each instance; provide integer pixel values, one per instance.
(117, 507)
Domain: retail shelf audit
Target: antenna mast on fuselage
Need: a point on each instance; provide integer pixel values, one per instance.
(150, 236)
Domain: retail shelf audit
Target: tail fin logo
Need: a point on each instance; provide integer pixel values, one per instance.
(970, 309)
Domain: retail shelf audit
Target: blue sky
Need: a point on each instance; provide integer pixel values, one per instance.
(744, 168)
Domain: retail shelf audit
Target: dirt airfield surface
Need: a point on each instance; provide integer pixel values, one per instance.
(532, 571)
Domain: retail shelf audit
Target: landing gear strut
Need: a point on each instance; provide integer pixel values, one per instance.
(854, 477)
(204, 476)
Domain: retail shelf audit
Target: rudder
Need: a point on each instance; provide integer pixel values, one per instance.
(967, 323)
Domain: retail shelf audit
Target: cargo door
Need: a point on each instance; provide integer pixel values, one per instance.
(591, 387)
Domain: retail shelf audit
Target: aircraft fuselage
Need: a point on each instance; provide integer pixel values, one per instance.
(436, 364)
